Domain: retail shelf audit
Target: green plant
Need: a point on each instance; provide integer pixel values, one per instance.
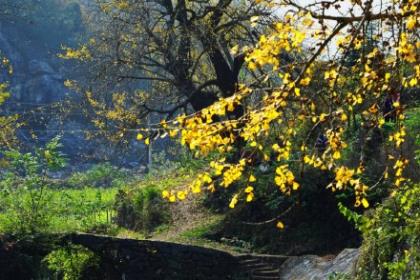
(390, 249)
(141, 209)
(358, 219)
(71, 261)
(24, 198)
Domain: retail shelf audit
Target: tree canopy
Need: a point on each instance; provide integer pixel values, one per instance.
(317, 72)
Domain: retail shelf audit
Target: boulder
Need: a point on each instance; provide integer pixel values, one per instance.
(310, 267)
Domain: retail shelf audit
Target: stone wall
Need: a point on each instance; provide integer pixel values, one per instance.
(129, 259)
(143, 259)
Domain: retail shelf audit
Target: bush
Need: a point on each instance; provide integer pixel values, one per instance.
(142, 209)
(24, 199)
(71, 262)
(391, 246)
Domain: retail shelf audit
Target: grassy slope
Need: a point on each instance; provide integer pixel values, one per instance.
(190, 223)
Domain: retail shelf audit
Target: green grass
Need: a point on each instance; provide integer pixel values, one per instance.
(82, 209)
(70, 210)
(203, 229)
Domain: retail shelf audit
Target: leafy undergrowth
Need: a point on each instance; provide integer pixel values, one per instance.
(390, 248)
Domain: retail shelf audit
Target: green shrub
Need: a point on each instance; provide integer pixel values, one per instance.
(141, 209)
(70, 262)
(391, 245)
(29, 203)
(24, 199)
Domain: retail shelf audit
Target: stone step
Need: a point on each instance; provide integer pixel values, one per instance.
(256, 266)
(244, 257)
(247, 261)
(265, 277)
(267, 272)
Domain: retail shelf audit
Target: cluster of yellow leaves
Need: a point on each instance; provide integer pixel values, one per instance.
(82, 54)
(398, 137)
(285, 38)
(201, 134)
(285, 179)
(4, 93)
(398, 167)
(345, 176)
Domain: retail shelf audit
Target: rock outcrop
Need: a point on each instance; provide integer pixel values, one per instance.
(312, 267)
(307, 267)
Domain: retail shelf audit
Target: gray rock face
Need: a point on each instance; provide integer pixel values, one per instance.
(9, 50)
(34, 81)
(316, 268)
(43, 89)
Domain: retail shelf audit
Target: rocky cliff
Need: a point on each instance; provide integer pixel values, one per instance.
(32, 40)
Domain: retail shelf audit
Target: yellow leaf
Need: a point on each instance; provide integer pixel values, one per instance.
(411, 22)
(234, 50)
(234, 201)
(313, 107)
(139, 136)
(173, 133)
(306, 81)
(249, 189)
(280, 225)
(252, 178)
(181, 195)
(413, 82)
(307, 21)
(249, 197)
(147, 141)
(165, 194)
(365, 203)
(381, 122)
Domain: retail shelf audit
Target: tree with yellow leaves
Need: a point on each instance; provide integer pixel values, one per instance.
(297, 90)
(300, 101)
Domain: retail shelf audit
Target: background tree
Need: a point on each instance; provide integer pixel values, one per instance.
(8, 122)
(167, 56)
